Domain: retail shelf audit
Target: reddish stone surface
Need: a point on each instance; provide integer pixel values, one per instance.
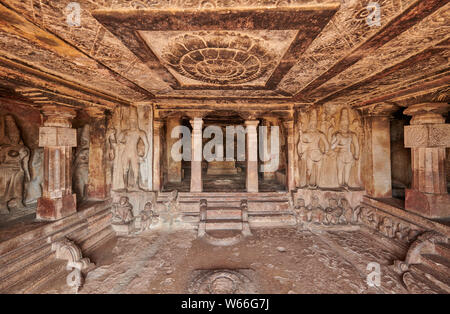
(53, 209)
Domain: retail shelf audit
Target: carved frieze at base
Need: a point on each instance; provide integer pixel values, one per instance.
(138, 212)
(333, 209)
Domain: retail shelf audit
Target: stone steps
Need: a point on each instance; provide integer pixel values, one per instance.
(27, 257)
(223, 225)
(223, 213)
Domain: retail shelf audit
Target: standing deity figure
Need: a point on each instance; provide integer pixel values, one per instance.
(81, 165)
(309, 150)
(14, 171)
(342, 142)
(124, 150)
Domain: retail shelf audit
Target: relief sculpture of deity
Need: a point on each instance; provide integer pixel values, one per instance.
(124, 150)
(310, 152)
(81, 165)
(342, 142)
(14, 171)
(329, 144)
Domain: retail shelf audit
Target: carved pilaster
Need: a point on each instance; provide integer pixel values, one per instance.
(58, 138)
(97, 188)
(377, 152)
(290, 173)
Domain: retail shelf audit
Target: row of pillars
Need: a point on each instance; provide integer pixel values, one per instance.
(196, 184)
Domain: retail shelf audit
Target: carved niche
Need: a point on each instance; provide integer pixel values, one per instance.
(329, 147)
(14, 171)
(128, 147)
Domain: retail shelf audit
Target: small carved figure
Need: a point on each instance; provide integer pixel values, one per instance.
(348, 216)
(369, 218)
(122, 211)
(171, 213)
(301, 212)
(309, 150)
(147, 216)
(333, 213)
(342, 142)
(387, 227)
(315, 211)
(14, 171)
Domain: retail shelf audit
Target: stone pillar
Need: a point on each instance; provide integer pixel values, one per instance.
(197, 154)
(268, 123)
(252, 156)
(157, 129)
(428, 136)
(290, 141)
(377, 150)
(173, 167)
(57, 138)
(97, 188)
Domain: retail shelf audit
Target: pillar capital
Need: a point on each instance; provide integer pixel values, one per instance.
(251, 125)
(427, 113)
(58, 116)
(196, 123)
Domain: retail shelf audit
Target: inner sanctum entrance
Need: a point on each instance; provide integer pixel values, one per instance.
(224, 136)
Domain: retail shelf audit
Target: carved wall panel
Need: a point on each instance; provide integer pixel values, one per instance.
(327, 207)
(129, 150)
(329, 147)
(14, 167)
(81, 164)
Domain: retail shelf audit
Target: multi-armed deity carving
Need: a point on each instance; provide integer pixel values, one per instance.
(127, 147)
(329, 148)
(14, 171)
(81, 164)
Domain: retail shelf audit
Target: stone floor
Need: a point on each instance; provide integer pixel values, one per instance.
(272, 261)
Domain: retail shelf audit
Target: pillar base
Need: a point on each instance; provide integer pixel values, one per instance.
(55, 209)
(427, 205)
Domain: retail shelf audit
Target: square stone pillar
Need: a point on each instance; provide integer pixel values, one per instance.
(157, 129)
(428, 136)
(252, 156)
(377, 150)
(97, 188)
(290, 171)
(57, 138)
(197, 155)
(173, 167)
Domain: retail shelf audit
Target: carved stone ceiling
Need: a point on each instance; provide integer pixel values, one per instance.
(289, 51)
